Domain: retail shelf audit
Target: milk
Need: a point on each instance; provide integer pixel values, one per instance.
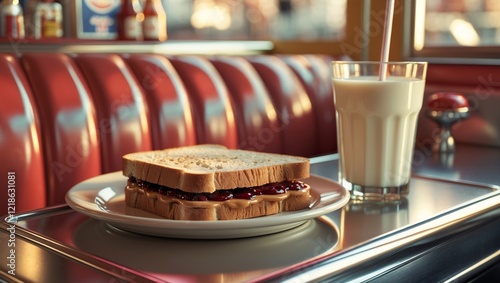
(376, 125)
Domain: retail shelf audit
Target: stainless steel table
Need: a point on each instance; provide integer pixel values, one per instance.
(447, 228)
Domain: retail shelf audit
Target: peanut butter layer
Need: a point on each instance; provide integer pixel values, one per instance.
(171, 207)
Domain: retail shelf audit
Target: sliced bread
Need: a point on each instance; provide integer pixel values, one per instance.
(207, 168)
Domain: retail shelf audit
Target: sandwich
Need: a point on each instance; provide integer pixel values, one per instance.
(212, 182)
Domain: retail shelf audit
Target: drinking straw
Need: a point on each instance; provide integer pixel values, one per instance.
(386, 39)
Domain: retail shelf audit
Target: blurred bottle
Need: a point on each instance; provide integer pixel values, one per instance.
(29, 17)
(154, 26)
(129, 21)
(48, 19)
(11, 20)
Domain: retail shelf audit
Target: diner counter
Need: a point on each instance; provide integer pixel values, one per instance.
(446, 229)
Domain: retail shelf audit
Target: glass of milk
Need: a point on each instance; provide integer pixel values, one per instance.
(376, 124)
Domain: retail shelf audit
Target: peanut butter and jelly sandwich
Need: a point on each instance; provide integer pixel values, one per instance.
(212, 182)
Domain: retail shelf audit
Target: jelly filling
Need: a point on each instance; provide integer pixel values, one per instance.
(223, 195)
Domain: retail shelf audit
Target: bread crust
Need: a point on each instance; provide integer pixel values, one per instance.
(207, 168)
(155, 203)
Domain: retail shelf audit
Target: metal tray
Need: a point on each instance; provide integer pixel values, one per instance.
(362, 240)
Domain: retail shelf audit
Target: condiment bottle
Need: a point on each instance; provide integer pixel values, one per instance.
(48, 19)
(11, 20)
(29, 17)
(129, 21)
(154, 26)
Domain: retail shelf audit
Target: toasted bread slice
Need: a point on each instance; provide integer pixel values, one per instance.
(207, 168)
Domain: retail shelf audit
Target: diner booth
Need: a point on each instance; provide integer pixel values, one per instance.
(253, 75)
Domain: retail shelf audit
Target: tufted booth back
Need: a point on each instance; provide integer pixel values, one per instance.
(65, 118)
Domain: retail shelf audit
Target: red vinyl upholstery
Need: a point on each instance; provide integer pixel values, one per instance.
(70, 144)
(314, 75)
(170, 113)
(20, 144)
(255, 114)
(293, 105)
(214, 115)
(67, 118)
(123, 124)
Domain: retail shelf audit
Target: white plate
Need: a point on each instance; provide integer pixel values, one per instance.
(103, 198)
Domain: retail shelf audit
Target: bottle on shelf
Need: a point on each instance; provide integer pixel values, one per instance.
(48, 19)
(11, 20)
(154, 26)
(129, 21)
(29, 17)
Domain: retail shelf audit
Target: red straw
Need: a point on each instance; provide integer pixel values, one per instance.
(386, 40)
